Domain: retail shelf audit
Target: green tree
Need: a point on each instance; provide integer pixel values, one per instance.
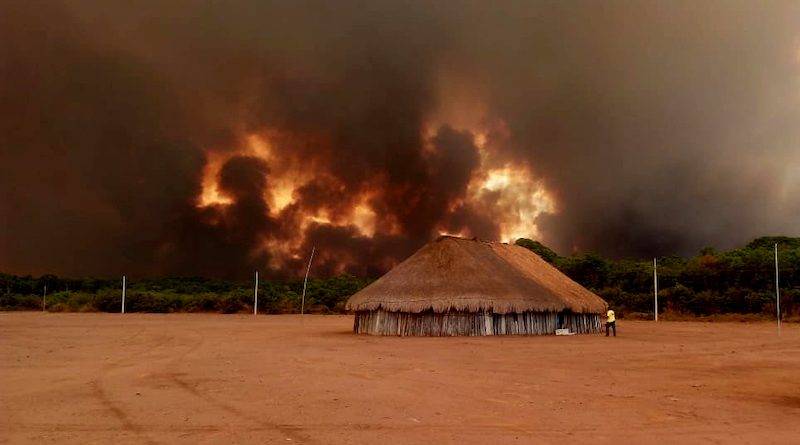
(538, 248)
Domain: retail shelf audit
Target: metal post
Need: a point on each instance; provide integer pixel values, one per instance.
(655, 285)
(123, 294)
(777, 290)
(255, 297)
(305, 280)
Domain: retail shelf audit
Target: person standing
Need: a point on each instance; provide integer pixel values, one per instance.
(611, 322)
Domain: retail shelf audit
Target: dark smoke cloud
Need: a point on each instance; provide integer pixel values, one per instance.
(221, 239)
(657, 127)
(660, 127)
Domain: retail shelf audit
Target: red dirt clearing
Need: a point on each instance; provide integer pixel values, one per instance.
(209, 379)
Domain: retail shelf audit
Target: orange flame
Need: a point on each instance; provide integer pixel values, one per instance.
(510, 192)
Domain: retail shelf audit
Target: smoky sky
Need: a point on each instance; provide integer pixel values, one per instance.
(657, 128)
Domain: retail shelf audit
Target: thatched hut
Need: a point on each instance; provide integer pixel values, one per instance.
(455, 286)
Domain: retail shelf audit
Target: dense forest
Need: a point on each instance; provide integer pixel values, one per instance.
(740, 281)
(184, 294)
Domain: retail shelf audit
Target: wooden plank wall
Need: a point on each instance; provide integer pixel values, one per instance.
(454, 323)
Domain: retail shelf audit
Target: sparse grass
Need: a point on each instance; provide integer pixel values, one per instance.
(721, 318)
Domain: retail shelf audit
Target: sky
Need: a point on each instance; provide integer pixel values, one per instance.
(216, 138)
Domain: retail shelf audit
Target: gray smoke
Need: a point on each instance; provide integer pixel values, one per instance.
(658, 127)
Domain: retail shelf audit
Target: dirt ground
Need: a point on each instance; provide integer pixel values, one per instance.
(237, 379)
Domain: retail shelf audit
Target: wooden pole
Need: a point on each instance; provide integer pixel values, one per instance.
(123, 294)
(777, 290)
(303, 301)
(255, 297)
(655, 285)
(44, 299)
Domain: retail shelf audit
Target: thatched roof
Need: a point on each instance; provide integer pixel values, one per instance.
(468, 275)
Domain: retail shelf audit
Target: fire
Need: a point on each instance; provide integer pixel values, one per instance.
(460, 234)
(320, 218)
(364, 218)
(505, 191)
(282, 196)
(497, 180)
(283, 182)
(509, 192)
(210, 194)
(517, 196)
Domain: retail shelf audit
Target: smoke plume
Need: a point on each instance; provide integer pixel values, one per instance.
(215, 138)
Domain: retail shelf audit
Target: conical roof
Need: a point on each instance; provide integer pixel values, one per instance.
(470, 275)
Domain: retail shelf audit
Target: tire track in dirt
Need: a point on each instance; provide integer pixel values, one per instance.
(116, 408)
(327, 427)
(293, 432)
(488, 428)
(119, 413)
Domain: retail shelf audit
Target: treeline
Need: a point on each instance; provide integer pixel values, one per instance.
(175, 295)
(740, 281)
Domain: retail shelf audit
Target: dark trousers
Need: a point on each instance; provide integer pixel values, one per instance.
(612, 325)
